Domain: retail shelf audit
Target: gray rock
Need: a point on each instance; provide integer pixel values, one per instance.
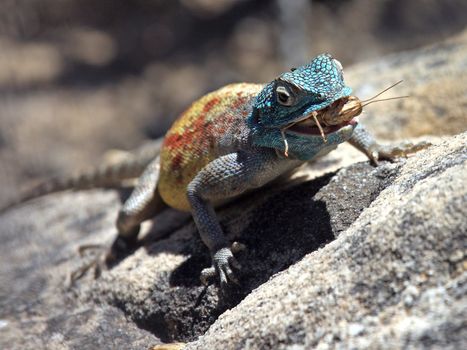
(434, 77)
(396, 278)
(393, 277)
(38, 249)
(360, 257)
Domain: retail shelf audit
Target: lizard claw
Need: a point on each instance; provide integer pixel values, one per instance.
(98, 257)
(391, 152)
(120, 249)
(224, 264)
(93, 262)
(207, 274)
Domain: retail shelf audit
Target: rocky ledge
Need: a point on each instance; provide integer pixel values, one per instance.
(362, 257)
(359, 257)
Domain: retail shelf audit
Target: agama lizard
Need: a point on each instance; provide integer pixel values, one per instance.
(237, 139)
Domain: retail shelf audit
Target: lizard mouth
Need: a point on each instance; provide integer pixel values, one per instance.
(339, 114)
(309, 129)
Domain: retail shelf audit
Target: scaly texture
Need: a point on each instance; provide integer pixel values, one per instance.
(193, 141)
(237, 139)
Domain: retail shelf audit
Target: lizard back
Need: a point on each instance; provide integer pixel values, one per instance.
(211, 127)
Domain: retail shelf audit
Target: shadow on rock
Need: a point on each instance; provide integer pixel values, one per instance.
(278, 225)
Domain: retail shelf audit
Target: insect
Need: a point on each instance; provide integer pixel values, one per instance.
(341, 111)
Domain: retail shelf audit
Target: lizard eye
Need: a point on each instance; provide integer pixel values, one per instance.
(284, 97)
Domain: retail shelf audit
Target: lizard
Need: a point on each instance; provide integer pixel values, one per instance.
(235, 140)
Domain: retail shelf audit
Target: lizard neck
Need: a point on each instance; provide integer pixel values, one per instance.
(302, 148)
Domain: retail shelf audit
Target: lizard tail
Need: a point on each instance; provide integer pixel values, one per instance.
(104, 176)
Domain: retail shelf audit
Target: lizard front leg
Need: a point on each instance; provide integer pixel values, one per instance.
(223, 178)
(364, 142)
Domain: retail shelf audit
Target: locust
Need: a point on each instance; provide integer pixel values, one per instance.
(341, 111)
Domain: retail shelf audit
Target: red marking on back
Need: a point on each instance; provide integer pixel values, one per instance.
(197, 133)
(195, 137)
(177, 161)
(210, 105)
(174, 141)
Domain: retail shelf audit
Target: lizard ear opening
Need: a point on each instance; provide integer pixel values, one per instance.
(255, 116)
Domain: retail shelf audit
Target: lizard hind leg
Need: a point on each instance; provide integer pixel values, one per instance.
(143, 204)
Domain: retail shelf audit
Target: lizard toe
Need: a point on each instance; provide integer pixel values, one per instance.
(207, 274)
(231, 275)
(401, 150)
(234, 263)
(224, 264)
(223, 279)
(120, 248)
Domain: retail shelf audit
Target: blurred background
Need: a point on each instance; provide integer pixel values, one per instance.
(80, 77)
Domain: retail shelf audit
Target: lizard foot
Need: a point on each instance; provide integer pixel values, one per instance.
(94, 263)
(378, 152)
(224, 264)
(120, 249)
(101, 257)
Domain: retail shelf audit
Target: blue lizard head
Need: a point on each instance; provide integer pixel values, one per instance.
(292, 97)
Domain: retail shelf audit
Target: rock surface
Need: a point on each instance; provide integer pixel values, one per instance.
(361, 257)
(395, 279)
(434, 77)
(394, 276)
(38, 248)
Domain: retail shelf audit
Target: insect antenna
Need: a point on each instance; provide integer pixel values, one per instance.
(372, 99)
(382, 92)
(384, 99)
